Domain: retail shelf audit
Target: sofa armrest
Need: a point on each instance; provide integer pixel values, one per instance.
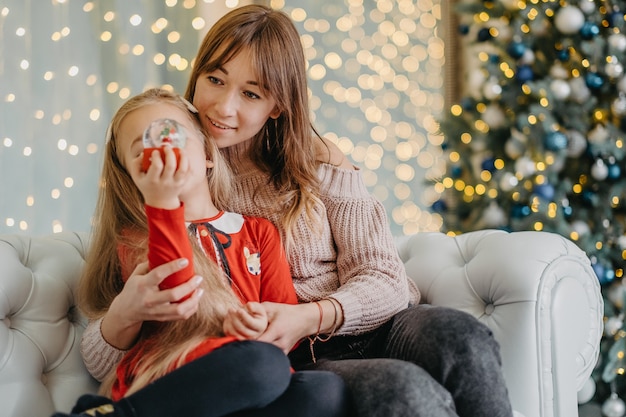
(41, 370)
(538, 294)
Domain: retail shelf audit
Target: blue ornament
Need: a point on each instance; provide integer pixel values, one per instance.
(467, 103)
(524, 74)
(456, 171)
(599, 270)
(494, 58)
(544, 191)
(464, 29)
(601, 273)
(589, 31)
(519, 211)
(484, 35)
(439, 206)
(594, 80)
(563, 55)
(516, 49)
(615, 18)
(488, 165)
(590, 198)
(614, 171)
(555, 141)
(567, 211)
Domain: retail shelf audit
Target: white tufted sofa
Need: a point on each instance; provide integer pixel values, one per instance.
(535, 290)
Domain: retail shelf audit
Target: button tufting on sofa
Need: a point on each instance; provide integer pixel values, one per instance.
(40, 366)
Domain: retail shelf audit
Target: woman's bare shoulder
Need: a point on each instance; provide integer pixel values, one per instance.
(329, 153)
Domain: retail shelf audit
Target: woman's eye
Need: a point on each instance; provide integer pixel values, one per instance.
(213, 80)
(252, 95)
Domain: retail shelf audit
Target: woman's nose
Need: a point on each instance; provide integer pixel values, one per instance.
(226, 103)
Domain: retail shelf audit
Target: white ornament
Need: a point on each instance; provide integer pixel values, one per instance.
(494, 216)
(525, 166)
(599, 170)
(493, 116)
(612, 326)
(580, 91)
(516, 144)
(561, 89)
(491, 89)
(613, 406)
(558, 162)
(514, 148)
(528, 58)
(587, 6)
(580, 227)
(598, 135)
(559, 71)
(587, 392)
(618, 107)
(505, 32)
(475, 79)
(616, 296)
(508, 181)
(577, 144)
(569, 20)
(621, 241)
(617, 41)
(540, 26)
(621, 85)
(614, 68)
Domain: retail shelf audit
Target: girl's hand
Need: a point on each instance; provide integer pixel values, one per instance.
(163, 182)
(141, 300)
(247, 322)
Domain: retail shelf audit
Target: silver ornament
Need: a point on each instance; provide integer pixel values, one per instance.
(613, 406)
(618, 107)
(617, 41)
(569, 20)
(577, 144)
(614, 68)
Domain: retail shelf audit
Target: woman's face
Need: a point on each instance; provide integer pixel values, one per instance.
(230, 102)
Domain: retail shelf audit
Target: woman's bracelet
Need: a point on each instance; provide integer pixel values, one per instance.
(313, 339)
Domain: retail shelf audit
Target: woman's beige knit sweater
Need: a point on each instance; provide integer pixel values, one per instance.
(350, 255)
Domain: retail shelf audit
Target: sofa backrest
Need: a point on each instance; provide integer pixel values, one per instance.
(41, 370)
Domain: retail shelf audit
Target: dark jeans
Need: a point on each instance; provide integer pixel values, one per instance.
(425, 362)
(240, 379)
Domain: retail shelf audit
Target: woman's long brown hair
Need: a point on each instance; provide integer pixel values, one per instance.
(286, 148)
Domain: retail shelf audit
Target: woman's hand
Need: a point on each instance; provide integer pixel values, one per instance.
(247, 322)
(289, 323)
(141, 300)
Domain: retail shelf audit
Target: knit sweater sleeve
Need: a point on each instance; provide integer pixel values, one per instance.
(373, 281)
(98, 355)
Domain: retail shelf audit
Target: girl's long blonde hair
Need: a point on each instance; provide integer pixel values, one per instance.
(286, 148)
(120, 219)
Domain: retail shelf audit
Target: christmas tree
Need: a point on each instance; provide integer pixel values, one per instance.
(537, 140)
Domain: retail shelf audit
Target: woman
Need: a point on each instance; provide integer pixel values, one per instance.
(357, 307)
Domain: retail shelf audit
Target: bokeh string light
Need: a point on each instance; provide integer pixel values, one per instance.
(376, 89)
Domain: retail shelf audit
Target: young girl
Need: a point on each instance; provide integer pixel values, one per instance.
(142, 214)
(249, 85)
